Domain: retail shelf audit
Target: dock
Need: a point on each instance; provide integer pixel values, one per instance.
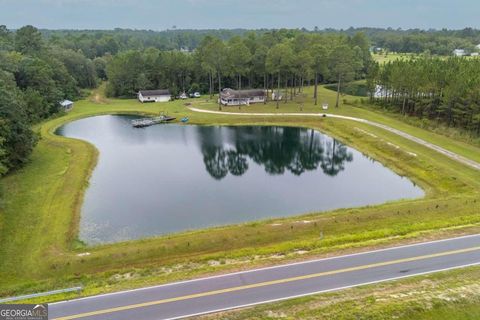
(146, 122)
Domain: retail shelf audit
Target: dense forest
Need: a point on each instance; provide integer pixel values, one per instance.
(96, 43)
(446, 90)
(34, 77)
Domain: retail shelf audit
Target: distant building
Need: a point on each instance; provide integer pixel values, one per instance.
(230, 97)
(380, 92)
(67, 105)
(459, 52)
(374, 49)
(474, 54)
(276, 95)
(154, 95)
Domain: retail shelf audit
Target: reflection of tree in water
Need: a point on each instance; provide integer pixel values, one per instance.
(237, 163)
(275, 148)
(218, 160)
(215, 161)
(335, 156)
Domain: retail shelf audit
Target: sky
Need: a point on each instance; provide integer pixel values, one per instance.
(249, 14)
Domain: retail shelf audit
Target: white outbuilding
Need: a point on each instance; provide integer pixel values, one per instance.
(66, 105)
(161, 95)
(459, 52)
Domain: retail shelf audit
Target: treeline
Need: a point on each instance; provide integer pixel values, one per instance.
(34, 77)
(98, 43)
(271, 60)
(438, 42)
(447, 90)
(425, 43)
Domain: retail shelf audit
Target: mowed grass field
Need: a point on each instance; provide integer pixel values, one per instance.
(383, 58)
(39, 249)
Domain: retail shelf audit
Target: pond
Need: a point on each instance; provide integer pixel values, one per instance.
(169, 178)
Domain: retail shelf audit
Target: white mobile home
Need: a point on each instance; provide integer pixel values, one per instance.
(230, 97)
(154, 95)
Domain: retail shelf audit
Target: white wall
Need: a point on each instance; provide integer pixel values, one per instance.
(245, 102)
(154, 98)
(162, 98)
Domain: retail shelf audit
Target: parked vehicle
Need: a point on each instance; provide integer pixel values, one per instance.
(195, 95)
(183, 95)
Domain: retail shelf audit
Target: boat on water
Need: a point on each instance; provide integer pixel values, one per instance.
(145, 122)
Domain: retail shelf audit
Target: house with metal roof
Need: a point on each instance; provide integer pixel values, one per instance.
(161, 95)
(230, 97)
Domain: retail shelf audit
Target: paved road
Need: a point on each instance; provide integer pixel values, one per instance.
(195, 297)
(450, 154)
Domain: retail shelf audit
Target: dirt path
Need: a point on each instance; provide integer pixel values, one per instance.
(405, 135)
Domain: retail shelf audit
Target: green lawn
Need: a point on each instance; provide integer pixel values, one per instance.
(388, 57)
(40, 213)
(393, 56)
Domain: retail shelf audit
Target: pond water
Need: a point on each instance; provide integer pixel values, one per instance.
(168, 178)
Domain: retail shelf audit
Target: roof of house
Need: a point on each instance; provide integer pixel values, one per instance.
(228, 93)
(66, 103)
(160, 92)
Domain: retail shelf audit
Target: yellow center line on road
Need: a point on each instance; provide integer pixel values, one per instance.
(266, 283)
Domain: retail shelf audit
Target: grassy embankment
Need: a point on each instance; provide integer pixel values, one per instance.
(39, 218)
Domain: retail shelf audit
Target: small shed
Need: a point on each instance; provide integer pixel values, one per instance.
(66, 105)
